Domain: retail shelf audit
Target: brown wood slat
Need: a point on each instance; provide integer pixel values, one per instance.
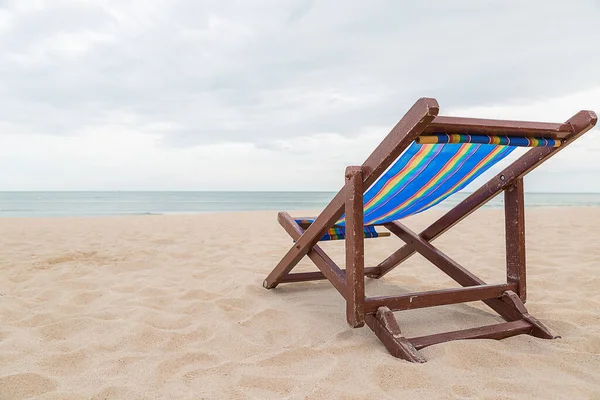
(444, 124)
(307, 225)
(496, 331)
(386, 328)
(514, 216)
(539, 330)
(450, 267)
(437, 297)
(315, 275)
(355, 248)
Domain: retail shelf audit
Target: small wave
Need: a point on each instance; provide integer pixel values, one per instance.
(146, 213)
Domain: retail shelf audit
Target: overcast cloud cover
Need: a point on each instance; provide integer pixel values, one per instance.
(274, 95)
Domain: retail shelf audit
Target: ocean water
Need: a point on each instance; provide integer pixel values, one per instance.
(71, 204)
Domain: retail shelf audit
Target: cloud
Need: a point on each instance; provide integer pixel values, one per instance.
(581, 155)
(265, 82)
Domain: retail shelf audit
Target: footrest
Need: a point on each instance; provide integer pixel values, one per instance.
(385, 326)
(496, 331)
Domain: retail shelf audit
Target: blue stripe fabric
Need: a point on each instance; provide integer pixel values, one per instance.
(422, 177)
(337, 233)
(520, 141)
(425, 175)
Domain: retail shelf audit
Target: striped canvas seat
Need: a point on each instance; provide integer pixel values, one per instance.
(433, 168)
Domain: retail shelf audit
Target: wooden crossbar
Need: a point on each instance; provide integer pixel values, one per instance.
(496, 331)
(434, 255)
(316, 275)
(437, 297)
(444, 124)
(386, 328)
(507, 299)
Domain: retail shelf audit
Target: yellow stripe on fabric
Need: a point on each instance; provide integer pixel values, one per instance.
(427, 140)
(463, 151)
(498, 140)
(390, 186)
(414, 163)
(454, 138)
(489, 158)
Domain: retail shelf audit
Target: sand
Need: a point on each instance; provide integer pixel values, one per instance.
(172, 307)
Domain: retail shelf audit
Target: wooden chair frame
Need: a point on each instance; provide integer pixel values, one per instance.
(507, 299)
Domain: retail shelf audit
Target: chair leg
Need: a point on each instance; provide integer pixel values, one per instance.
(539, 330)
(514, 214)
(355, 248)
(385, 326)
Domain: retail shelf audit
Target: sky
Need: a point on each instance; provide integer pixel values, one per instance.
(275, 95)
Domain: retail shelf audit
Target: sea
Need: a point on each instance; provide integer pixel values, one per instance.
(89, 204)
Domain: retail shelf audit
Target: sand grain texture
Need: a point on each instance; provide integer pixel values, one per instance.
(172, 307)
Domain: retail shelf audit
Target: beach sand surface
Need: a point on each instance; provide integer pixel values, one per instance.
(172, 307)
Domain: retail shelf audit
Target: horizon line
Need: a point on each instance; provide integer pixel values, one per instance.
(229, 191)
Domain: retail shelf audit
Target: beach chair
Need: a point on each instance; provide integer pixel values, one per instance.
(422, 161)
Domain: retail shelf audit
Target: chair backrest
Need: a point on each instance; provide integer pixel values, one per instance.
(433, 168)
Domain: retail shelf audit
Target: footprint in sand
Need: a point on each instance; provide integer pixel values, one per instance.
(78, 256)
(65, 329)
(67, 363)
(401, 376)
(265, 387)
(178, 341)
(117, 392)
(86, 298)
(198, 294)
(152, 292)
(122, 365)
(289, 362)
(36, 320)
(270, 327)
(235, 304)
(25, 386)
(166, 321)
(178, 366)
